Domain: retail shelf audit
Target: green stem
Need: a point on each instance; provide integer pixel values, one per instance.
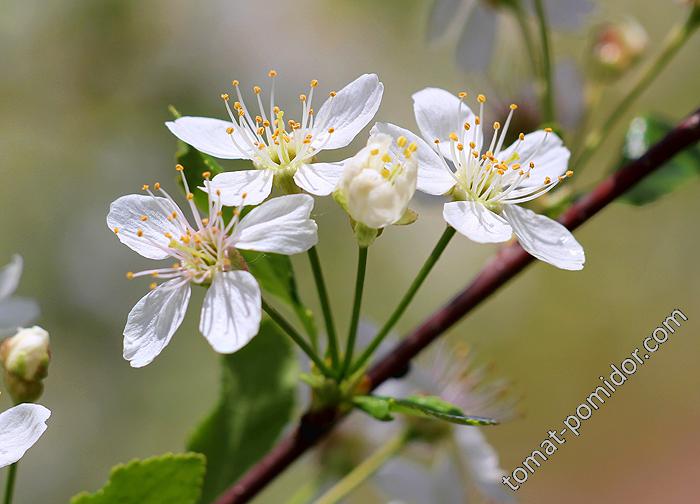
(547, 76)
(407, 298)
(520, 17)
(365, 470)
(325, 306)
(10, 483)
(296, 337)
(674, 41)
(357, 303)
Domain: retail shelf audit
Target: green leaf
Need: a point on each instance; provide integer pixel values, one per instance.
(377, 407)
(641, 135)
(167, 479)
(258, 390)
(423, 406)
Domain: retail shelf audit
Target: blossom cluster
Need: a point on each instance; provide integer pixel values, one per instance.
(456, 156)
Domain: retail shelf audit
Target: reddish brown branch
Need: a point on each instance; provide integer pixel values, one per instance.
(507, 263)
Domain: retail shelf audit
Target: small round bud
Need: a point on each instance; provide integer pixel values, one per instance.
(617, 47)
(25, 358)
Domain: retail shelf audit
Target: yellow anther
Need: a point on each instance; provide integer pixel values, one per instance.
(454, 137)
(516, 166)
(153, 285)
(168, 235)
(225, 96)
(521, 136)
(547, 180)
(532, 165)
(234, 83)
(302, 97)
(314, 83)
(561, 177)
(460, 147)
(261, 130)
(179, 167)
(436, 141)
(374, 152)
(237, 105)
(185, 239)
(218, 192)
(521, 172)
(139, 232)
(272, 73)
(412, 147)
(156, 186)
(496, 125)
(477, 120)
(130, 275)
(481, 98)
(311, 111)
(472, 145)
(386, 158)
(116, 230)
(513, 106)
(386, 172)
(244, 195)
(275, 110)
(467, 126)
(332, 94)
(206, 175)
(331, 130)
(241, 112)
(258, 119)
(548, 130)
(174, 215)
(205, 221)
(266, 123)
(462, 94)
(155, 274)
(144, 218)
(145, 187)
(229, 130)
(401, 141)
(569, 173)
(190, 196)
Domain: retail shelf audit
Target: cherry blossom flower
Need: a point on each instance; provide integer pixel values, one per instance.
(206, 251)
(488, 182)
(282, 149)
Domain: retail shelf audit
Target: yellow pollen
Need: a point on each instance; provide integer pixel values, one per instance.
(386, 158)
(116, 230)
(225, 96)
(156, 186)
(258, 119)
(130, 275)
(237, 105)
(386, 172)
(569, 173)
(460, 147)
(532, 164)
(155, 274)
(153, 285)
(313, 83)
(179, 167)
(185, 239)
(467, 126)
(496, 125)
(218, 192)
(412, 147)
(144, 218)
(256, 89)
(332, 94)
(272, 73)
(244, 195)
(206, 175)
(174, 215)
(139, 233)
(302, 97)
(374, 152)
(454, 137)
(190, 196)
(547, 180)
(548, 130)
(516, 166)
(168, 235)
(472, 145)
(276, 110)
(331, 130)
(205, 221)
(401, 141)
(437, 141)
(477, 120)
(234, 83)
(513, 106)
(521, 136)
(462, 94)
(261, 130)
(481, 98)
(145, 187)
(266, 123)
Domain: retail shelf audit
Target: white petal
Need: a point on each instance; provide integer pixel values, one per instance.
(442, 15)
(447, 481)
(10, 275)
(256, 184)
(433, 174)
(280, 225)
(209, 136)
(125, 215)
(475, 46)
(17, 312)
(545, 238)
(320, 179)
(476, 222)
(20, 427)
(482, 461)
(404, 480)
(544, 149)
(348, 112)
(231, 311)
(439, 113)
(154, 320)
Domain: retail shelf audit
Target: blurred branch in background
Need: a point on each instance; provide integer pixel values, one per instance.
(506, 265)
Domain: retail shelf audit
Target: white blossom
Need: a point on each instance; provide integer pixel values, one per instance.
(14, 311)
(379, 181)
(206, 253)
(282, 149)
(20, 427)
(488, 182)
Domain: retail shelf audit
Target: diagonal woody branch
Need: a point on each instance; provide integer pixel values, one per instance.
(504, 266)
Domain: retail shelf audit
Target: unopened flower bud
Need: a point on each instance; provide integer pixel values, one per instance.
(379, 182)
(617, 47)
(25, 358)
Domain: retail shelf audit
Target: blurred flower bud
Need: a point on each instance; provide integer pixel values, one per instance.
(25, 358)
(379, 182)
(617, 47)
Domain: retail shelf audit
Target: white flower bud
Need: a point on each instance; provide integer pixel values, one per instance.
(379, 182)
(26, 354)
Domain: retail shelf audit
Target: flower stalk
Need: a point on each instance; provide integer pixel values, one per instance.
(10, 483)
(356, 305)
(325, 306)
(547, 76)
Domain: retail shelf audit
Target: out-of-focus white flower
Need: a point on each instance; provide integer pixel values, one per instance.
(206, 253)
(617, 47)
(282, 148)
(14, 311)
(379, 181)
(20, 427)
(488, 182)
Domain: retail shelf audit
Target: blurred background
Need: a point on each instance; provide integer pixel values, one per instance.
(83, 98)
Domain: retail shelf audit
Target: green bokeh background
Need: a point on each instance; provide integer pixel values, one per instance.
(83, 96)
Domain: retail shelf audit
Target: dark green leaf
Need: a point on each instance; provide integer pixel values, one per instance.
(422, 406)
(377, 407)
(257, 400)
(641, 135)
(167, 479)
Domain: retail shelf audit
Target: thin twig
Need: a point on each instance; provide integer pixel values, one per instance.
(508, 263)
